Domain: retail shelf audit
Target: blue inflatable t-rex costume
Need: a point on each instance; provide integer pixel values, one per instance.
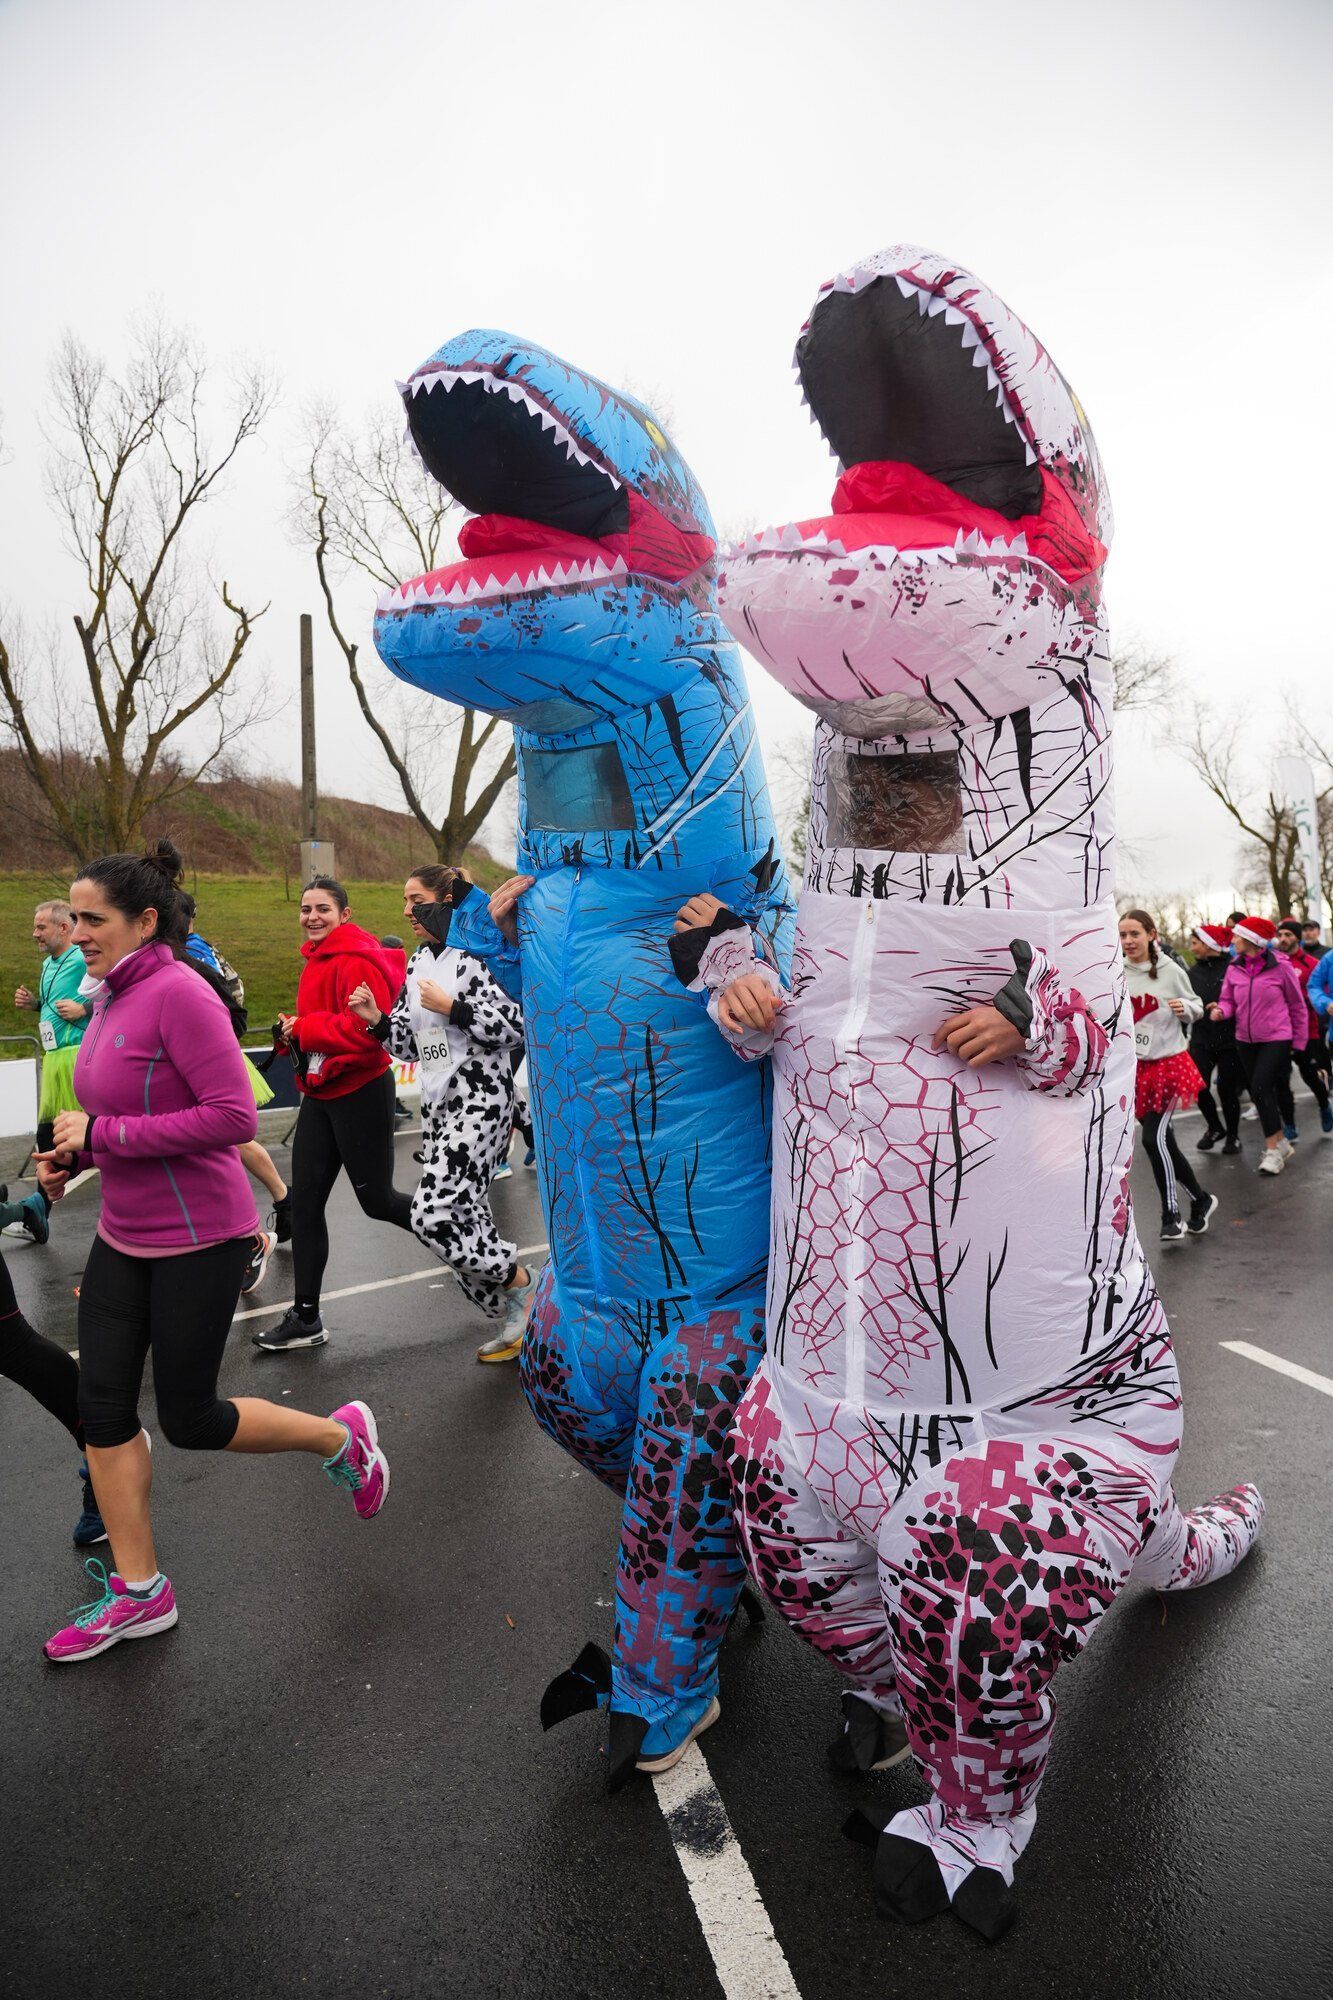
(583, 611)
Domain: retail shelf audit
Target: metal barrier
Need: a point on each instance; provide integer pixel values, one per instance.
(34, 1044)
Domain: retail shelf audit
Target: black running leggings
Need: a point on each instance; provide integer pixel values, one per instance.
(1230, 1083)
(1168, 1163)
(36, 1363)
(179, 1307)
(355, 1132)
(1305, 1063)
(1266, 1065)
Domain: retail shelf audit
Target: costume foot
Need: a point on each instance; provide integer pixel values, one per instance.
(623, 1747)
(587, 1684)
(986, 1904)
(909, 1887)
(872, 1739)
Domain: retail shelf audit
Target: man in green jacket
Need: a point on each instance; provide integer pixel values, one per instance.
(62, 1017)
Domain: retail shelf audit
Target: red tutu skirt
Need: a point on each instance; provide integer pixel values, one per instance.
(1171, 1081)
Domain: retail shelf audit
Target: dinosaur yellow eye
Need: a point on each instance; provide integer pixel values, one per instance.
(654, 433)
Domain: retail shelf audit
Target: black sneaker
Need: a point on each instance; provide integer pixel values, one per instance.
(1208, 1141)
(1172, 1229)
(291, 1331)
(260, 1251)
(89, 1529)
(282, 1219)
(1200, 1210)
(1231, 1146)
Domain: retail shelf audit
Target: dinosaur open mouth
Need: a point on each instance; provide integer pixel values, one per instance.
(550, 512)
(939, 462)
(894, 372)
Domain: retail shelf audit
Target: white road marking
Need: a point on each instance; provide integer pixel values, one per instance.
(1292, 1368)
(376, 1285)
(749, 1960)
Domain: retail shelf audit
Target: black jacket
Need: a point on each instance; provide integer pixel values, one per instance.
(1206, 976)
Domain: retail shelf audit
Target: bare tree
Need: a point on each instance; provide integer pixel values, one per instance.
(1144, 679)
(130, 462)
(366, 508)
(1272, 859)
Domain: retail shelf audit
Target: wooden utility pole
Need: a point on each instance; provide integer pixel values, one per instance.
(316, 854)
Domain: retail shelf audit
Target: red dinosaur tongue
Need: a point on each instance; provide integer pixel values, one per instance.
(651, 545)
(507, 534)
(886, 501)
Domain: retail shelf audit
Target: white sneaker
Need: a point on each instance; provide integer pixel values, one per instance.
(1273, 1161)
(14, 1229)
(1285, 1147)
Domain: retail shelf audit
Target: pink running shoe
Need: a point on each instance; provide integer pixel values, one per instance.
(113, 1616)
(360, 1464)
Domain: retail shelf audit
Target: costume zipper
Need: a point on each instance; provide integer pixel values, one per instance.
(860, 1249)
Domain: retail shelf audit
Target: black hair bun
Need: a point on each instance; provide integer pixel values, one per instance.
(165, 858)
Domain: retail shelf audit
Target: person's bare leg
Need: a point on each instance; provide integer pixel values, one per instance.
(122, 1479)
(268, 1426)
(257, 1160)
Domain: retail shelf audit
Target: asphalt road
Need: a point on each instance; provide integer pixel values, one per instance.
(330, 1777)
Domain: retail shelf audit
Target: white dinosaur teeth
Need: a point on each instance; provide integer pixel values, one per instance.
(937, 305)
(1028, 453)
(905, 285)
(970, 337)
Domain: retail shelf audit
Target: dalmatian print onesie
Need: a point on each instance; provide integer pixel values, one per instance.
(467, 1113)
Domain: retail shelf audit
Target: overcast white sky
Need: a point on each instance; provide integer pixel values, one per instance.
(656, 192)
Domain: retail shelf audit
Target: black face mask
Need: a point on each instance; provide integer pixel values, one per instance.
(434, 920)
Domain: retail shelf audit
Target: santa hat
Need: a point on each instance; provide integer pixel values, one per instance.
(1257, 930)
(1217, 935)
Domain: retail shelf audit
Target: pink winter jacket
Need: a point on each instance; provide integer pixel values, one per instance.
(161, 1075)
(1263, 997)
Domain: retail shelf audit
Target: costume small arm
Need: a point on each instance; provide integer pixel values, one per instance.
(960, 1442)
(583, 611)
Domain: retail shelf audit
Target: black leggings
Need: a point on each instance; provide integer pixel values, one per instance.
(356, 1132)
(1168, 1163)
(1305, 1063)
(1266, 1065)
(1230, 1083)
(181, 1308)
(36, 1363)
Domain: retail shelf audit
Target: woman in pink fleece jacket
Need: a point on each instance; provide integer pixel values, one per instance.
(1262, 995)
(167, 1103)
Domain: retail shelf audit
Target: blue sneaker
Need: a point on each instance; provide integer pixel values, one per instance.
(88, 1529)
(1326, 1118)
(1290, 1134)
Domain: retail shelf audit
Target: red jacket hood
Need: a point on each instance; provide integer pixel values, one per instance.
(350, 938)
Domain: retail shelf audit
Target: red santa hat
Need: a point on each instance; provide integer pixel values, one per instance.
(1217, 935)
(1257, 930)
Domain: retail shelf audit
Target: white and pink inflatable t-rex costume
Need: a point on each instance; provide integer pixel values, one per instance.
(960, 1443)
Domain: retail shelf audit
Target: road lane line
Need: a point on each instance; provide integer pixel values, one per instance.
(1292, 1368)
(376, 1285)
(749, 1960)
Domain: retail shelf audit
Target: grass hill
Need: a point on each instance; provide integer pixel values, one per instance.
(231, 825)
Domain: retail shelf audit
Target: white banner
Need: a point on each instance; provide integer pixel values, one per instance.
(1296, 786)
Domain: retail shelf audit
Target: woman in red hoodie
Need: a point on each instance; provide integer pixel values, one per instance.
(346, 1083)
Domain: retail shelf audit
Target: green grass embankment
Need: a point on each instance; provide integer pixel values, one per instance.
(245, 916)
